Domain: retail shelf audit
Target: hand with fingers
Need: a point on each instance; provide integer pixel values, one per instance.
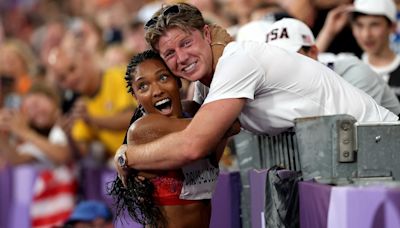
(219, 39)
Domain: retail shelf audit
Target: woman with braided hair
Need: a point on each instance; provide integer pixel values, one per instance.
(162, 197)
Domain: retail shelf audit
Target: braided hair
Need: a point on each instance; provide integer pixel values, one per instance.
(137, 197)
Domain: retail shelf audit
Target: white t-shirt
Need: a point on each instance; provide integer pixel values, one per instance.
(281, 86)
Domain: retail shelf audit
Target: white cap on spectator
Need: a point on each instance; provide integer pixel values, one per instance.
(376, 7)
(290, 34)
(254, 30)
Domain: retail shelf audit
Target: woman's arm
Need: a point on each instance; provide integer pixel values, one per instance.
(16, 125)
(9, 153)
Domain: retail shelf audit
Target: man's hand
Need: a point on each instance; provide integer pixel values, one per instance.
(122, 172)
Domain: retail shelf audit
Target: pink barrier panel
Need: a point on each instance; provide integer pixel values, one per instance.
(23, 178)
(349, 206)
(5, 195)
(226, 201)
(314, 204)
(373, 206)
(257, 182)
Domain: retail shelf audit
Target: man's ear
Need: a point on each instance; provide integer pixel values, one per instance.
(207, 33)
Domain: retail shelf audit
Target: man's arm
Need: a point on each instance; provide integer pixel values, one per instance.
(152, 127)
(202, 135)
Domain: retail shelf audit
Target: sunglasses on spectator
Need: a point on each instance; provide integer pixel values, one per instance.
(169, 10)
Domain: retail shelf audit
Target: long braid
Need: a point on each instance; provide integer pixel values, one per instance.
(137, 198)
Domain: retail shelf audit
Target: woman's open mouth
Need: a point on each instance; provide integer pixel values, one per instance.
(164, 106)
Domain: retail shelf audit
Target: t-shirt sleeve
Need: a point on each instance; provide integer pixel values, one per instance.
(236, 76)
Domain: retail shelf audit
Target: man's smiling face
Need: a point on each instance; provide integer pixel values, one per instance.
(187, 55)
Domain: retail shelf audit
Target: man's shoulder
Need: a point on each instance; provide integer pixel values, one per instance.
(243, 46)
(241, 54)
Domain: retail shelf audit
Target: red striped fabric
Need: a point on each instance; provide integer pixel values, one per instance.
(51, 220)
(54, 197)
(62, 188)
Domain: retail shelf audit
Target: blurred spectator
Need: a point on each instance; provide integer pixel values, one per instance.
(343, 42)
(87, 33)
(18, 62)
(34, 136)
(373, 23)
(115, 55)
(268, 11)
(111, 18)
(46, 38)
(133, 33)
(295, 36)
(104, 109)
(90, 213)
(314, 14)
(212, 11)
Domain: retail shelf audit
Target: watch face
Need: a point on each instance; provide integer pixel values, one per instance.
(121, 160)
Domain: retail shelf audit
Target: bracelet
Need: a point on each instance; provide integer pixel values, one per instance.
(218, 43)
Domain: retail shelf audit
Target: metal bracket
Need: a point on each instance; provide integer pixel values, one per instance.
(346, 141)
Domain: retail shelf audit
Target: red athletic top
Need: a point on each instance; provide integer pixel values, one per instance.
(167, 189)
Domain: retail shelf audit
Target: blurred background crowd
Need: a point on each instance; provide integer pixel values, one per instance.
(64, 103)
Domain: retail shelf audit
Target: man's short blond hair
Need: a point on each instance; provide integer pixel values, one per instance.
(181, 15)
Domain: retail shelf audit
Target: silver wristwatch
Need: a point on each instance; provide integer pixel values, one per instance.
(121, 159)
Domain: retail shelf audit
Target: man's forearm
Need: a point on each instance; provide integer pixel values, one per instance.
(168, 152)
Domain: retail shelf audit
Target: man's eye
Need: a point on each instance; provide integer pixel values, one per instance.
(169, 54)
(186, 43)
